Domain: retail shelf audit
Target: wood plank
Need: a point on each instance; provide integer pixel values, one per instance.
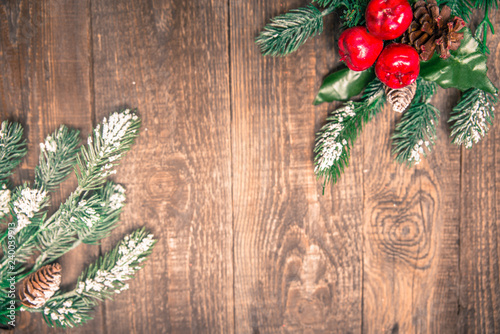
(45, 80)
(170, 60)
(479, 224)
(297, 253)
(410, 280)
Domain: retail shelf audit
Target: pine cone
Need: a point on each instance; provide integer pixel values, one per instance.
(37, 288)
(401, 98)
(433, 30)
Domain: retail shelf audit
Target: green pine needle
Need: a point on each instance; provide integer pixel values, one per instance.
(12, 148)
(287, 32)
(415, 131)
(471, 117)
(57, 158)
(334, 140)
(425, 90)
(328, 3)
(461, 8)
(486, 5)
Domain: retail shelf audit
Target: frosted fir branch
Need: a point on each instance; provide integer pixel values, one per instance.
(106, 146)
(102, 279)
(415, 134)
(111, 200)
(88, 220)
(471, 117)
(5, 197)
(110, 272)
(26, 204)
(58, 154)
(334, 140)
(71, 311)
(12, 148)
(329, 144)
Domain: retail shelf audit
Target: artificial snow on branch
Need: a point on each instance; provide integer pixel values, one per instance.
(88, 215)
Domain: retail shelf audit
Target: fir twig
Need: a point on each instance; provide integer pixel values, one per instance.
(415, 131)
(425, 90)
(287, 32)
(334, 141)
(102, 279)
(106, 145)
(12, 148)
(471, 117)
(57, 158)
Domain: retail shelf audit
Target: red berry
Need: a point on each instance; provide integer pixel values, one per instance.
(388, 19)
(398, 65)
(358, 48)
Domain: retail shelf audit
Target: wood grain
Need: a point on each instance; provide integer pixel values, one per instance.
(479, 223)
(169, 60)
(297, 253)
(46, 82)
(410, 280)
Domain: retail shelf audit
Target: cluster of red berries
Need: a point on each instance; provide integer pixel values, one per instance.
(397, 65)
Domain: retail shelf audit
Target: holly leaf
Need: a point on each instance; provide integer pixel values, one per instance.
(466, 68)
(343, 84)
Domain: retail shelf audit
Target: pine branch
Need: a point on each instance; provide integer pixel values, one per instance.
(102, 279)
(27, 214)
(425, 91)
(109, 205)
(333, 142)
(12, 148)
(88, 221)
(287, 32)
(415, 131)
(471, 117)
(57, 158)
(106, 146)
(486, 5)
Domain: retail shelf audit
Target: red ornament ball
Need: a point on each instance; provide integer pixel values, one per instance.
(388, 19)
(358, 48)
(398, 65)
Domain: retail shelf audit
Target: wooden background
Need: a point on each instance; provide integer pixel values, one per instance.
(223, 175)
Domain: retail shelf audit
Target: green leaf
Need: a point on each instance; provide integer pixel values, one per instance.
(343, 84)
(465, 69)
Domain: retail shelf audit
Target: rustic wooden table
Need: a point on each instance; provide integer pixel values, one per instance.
(223, 175)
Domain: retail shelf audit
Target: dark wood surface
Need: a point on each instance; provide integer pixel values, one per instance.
(223, 175)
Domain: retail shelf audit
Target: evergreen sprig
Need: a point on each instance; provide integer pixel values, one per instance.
(102, 279)
(57, 158)
(287, 32)
(471, 117)
(415, 131)
(106, 145)
(12, 148)
(334, 140)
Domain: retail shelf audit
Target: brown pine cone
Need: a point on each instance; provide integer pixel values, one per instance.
(39, 287)
(400, 98)
(433, 30)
